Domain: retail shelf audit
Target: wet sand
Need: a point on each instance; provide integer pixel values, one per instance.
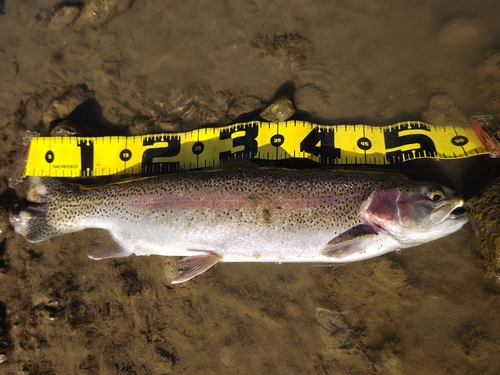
(150, 65)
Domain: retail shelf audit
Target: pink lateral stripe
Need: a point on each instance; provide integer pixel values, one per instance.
(221, 201)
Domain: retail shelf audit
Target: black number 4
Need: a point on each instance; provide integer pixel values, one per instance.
(326, 149)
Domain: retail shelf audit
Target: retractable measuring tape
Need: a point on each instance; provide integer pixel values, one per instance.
(75, 156)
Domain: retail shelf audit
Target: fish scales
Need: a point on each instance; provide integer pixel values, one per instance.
(265, 215)
(306, 201)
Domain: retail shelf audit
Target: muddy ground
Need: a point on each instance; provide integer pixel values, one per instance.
(145, 66)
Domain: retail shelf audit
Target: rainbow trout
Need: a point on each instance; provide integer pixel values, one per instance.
(258, 215)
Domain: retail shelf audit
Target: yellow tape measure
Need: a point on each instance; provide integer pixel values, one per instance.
(208, 147)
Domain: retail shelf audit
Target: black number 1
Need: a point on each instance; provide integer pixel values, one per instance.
(87, 157)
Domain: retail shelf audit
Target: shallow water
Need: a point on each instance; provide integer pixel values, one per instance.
(158, 65)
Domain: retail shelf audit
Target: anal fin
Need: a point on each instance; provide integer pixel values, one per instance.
(115, 251)
(195, 265)
(353, 240)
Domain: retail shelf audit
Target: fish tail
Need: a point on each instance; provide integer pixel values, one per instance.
(34, 221)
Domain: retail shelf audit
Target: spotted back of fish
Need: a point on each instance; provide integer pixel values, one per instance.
(278, 198)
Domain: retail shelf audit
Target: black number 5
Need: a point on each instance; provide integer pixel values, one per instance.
(426, 147)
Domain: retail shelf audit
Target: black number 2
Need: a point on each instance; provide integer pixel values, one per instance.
(171, 147)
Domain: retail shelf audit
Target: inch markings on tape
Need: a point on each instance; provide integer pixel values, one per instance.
(207, 147)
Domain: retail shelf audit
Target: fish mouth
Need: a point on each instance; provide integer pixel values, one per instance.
(458, 212)
(455, 211)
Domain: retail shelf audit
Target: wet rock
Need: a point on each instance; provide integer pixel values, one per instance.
(4, 223)
(4, 259)
(239, 105)
(39, 368)
(183, 110)
(65, 104)
(488, 73)
(97, 13)
(367, 87)
(6, 344)
(470, 337)
(8, 199)
(63, 14)
(312, 99)
(166, 356)
(279, 110)
(131, 285)
(80, 313)
(89, 365)
(67, 128)
(463, 33)
(339, 331)
(92, 14)
(486, 226)
(441, 110)
(290, 49)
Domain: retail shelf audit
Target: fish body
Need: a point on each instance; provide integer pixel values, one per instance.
(256, 215)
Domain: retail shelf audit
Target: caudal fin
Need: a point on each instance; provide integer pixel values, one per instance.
(34, 221)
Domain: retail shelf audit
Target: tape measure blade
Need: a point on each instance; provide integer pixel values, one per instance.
(208, 147)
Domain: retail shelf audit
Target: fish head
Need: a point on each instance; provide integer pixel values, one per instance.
(414, 213)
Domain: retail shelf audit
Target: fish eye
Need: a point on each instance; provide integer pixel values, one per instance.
(435, 195)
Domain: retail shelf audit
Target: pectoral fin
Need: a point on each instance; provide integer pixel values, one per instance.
(104, 246)
(195, 265)
(353, 240)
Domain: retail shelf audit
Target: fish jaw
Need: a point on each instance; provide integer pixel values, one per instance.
(411, 217)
